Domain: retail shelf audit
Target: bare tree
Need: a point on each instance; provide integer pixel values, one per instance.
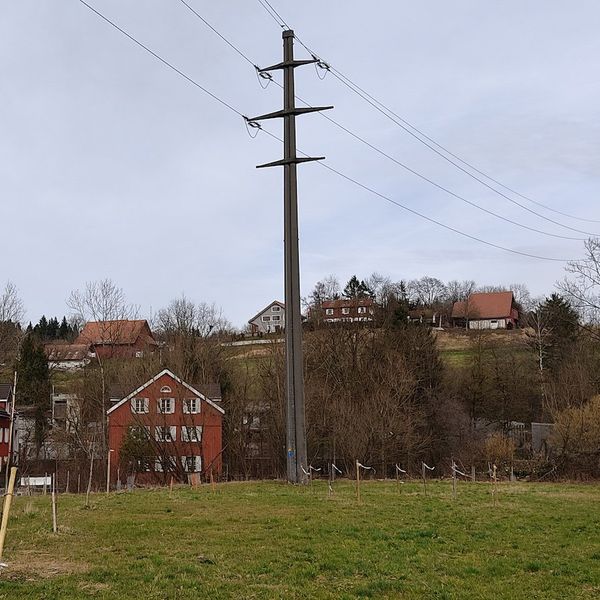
(427, 291)
(104, 302)
(183, 317)
(459, 291)
(12, 312)
(582, 285)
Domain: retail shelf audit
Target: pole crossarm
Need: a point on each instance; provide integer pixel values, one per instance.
(288, 64)
(290, 161)
(286, 113)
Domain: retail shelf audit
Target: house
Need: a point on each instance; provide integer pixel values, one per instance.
(6, 393)
(67, 357)
(269, 320)
(165, 427)
(118, 339)
(486, 310)
(351, 310)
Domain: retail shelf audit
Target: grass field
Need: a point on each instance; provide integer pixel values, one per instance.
(270, 540)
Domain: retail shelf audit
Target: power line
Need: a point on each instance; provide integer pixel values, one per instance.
(401, 122)
(383, 153)
(419, 214)
(339, 173)
(162, 60)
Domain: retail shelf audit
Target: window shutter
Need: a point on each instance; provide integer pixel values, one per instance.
(146, 402)
(186, 407)
(132, 405)
(198, 463)
(199, 433)
(173, 431)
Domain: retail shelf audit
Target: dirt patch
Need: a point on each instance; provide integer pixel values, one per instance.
(33, 567)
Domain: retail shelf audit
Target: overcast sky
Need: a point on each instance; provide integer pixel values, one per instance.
(111, 165)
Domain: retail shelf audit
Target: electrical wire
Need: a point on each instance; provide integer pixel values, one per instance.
(385, 154)
(339, 173)
(162, 60)
(405, 125)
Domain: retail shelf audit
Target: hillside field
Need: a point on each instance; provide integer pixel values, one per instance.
(269, 540)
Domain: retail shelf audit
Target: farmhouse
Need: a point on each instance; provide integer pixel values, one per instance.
(67, 357)
(486, 310)
(348, 310)
(165, 427)
(118, 339)
(269, 319)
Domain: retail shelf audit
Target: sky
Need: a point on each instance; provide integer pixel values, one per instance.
(113, 166)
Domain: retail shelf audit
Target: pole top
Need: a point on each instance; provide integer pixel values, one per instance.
(287, 33)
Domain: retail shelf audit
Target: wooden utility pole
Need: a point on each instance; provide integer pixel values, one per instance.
(6, 508)
(11, 427)
(296, 430)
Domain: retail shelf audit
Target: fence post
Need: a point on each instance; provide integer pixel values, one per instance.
(6, 508)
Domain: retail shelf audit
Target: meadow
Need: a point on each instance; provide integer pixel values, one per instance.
(267, 540)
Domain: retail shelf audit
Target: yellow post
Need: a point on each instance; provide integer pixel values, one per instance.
(357, 482)
(6, 508)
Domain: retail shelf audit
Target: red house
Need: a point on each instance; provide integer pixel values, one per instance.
(166, 427)
(5, 423)
(118, 339)
(486, 310)
(351, 310)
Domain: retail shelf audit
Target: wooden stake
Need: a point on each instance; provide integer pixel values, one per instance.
(171, 485)
(454, 480)
(213, 485)
(6, 508)
(108, 472)
(473, 473)
(357, 482)
(78, 481)
(54, 520)
(424, 478)
(45, 479)
(89, 486)
(67, 485)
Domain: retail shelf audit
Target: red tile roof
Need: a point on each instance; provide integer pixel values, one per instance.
(120, 332)
(485, 305)
(347, 303)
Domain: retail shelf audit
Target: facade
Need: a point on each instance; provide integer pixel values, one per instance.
(486, 310)
(353, 310)
(118, 339)
(166, 427)
(6, 398)
(270, 319)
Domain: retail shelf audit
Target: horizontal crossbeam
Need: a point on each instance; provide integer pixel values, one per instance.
(290, 161)
(286, 113)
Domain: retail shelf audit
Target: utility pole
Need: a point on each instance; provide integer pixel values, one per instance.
(297, 462)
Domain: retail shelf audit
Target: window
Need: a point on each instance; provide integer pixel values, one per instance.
(266, 318)
(276, 318)
(140, 432)
(275, 308)
(191, 406)
(191, 434)
(362, 310)
(329, 311)
(139, 354)
(191, 464)
(165, 389)
(165, 434)
(166, 406)
(139, 405)
(345, 310)
(142, 464)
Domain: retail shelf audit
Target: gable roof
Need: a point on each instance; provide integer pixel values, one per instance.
(266, 308)
(5, 391)
(155, 378)
(118, 332)
(485, 305)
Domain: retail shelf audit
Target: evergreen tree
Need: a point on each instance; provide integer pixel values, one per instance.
(41, 329)
(561, 322)
(357, 289)
(64, 331)
(52, 331)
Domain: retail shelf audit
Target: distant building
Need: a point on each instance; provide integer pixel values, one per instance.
(165, 427)
(67, 357)
(118, 339)
(6, 398)
(353, 310)
(486, 310)
(270, 319)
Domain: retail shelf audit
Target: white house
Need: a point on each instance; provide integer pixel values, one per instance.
(269, 320)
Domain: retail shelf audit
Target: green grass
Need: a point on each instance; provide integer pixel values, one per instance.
(270, 540)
